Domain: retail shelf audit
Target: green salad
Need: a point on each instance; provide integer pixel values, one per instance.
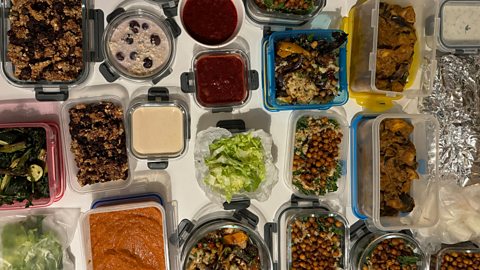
(236, 164)
(26, 245)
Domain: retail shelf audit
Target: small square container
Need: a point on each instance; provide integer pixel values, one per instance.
(119, 207)
(237, 218)
(290, 230)
(270, 81)
(56, 180)
(264, 12)
(366, 194)
(91, 53)
(159, 127)
(221, 80)
(458, 255)
(336, 122)
(364, 20)
(69, 155)
(459, 33)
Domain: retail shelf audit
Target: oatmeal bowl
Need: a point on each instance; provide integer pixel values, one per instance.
(139, 45)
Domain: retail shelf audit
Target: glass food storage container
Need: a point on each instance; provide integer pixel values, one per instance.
(270, 13)
(304, 222)
(333, 89)
(212, 23)
(367, 248)
(310, 170)
(46, 79)
(457, 33)
(159, 127)
(95, 139)
(457, 257)
(221, 80)
(417, 155)
(41, 182)
(132, 224)
(233, 224)
(364, 21)
(139, 42)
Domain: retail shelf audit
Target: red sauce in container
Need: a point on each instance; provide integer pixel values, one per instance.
(210, 22)
(221, 80)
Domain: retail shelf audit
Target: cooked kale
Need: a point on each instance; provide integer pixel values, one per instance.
(23, 166)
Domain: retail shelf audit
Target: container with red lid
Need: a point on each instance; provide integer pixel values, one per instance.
(221, 80)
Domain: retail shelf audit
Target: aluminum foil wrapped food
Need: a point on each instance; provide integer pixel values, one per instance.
(455, 101)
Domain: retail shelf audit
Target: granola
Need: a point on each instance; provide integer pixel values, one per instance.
(98, 142)
(45, 40)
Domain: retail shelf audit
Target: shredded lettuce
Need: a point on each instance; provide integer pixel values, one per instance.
(236, 164)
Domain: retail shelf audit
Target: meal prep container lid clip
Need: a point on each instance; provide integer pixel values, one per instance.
(361, 228)
(96, 55)
(168, 8)
(240, 214)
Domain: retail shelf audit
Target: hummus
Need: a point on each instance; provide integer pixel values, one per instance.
(128, 239)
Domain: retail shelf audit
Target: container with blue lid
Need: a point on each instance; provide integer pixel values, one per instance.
(366, 163)
(306, 89)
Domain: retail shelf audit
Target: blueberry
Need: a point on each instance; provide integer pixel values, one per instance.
(145, 26)
(129, 39)
(133, 55)
(155, 39)
(147, 63)
(120, 56)
(134, 26)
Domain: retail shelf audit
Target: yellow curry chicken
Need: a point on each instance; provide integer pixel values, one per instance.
(398, 167)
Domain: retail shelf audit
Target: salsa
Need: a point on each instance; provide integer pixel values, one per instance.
(210, 22)
(221, 80)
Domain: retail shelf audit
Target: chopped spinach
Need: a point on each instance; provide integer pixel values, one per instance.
(23, 165)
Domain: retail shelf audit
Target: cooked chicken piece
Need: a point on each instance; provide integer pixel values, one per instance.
(399, 125)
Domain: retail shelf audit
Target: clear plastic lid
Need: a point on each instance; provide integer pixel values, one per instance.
(158, 126)
(236, 219)
(303, 151)
(423, 132)
(458, 256)
(303, 222)
(136, 231)
(139, 45)
(89, 42)
(265, 12)
(459, 26)
(274, 73)
(364, 23)
(49, 157)
(92, 96)
(363, 250)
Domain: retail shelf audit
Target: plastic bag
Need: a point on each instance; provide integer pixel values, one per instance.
(37, 239)
(202, 151)
(459, 217)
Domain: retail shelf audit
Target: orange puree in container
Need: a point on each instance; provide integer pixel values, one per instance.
(128, 239)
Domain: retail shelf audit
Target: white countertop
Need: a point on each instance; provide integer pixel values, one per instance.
(184, 188)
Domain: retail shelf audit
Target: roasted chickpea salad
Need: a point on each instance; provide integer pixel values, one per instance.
(316, 242)
(394, 254)
(316, 161)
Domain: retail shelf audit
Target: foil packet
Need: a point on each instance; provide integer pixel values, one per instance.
(455, 101)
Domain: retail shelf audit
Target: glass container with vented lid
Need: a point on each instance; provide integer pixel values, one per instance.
(159, 127)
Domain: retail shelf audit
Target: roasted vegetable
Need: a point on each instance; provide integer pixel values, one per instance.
(23, 167)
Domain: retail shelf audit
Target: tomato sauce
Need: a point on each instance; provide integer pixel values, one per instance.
(210, 22)
(221, 80)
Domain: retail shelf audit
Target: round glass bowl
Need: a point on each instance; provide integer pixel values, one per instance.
(212, 23)
(139, 45)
